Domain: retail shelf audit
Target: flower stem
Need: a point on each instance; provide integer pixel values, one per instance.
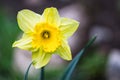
(26, 74)
(42, 74)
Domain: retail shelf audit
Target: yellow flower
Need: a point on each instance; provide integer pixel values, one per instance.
(45, 35)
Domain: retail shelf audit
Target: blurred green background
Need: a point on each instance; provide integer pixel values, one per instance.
(96, 17)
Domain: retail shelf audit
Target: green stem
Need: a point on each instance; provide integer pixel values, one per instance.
(26, 74)
(42, 74)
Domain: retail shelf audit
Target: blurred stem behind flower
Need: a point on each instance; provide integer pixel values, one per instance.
(45, 35)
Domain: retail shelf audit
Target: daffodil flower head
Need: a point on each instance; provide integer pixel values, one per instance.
(45, 35)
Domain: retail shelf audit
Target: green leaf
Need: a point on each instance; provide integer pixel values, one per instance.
(26, 74)
(73, 63)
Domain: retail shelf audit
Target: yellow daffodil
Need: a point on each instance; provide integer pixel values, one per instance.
(45, 35)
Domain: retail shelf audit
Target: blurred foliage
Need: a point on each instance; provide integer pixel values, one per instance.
(91, 67)
(8, 33)
(54, 74)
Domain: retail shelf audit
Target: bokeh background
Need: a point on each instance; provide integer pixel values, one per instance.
(97, 17)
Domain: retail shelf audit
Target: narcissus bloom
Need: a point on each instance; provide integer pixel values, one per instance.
(45, 35)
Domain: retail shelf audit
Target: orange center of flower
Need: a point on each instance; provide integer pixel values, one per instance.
(46, 34)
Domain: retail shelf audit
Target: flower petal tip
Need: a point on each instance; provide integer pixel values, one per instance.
(36, 65)
(70, 58)
(14, 44)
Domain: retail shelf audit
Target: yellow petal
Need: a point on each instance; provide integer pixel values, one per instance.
(23, 43)
(68, 27)
(51, 16)
(64, 51)
(40, 58)
(27, 20)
